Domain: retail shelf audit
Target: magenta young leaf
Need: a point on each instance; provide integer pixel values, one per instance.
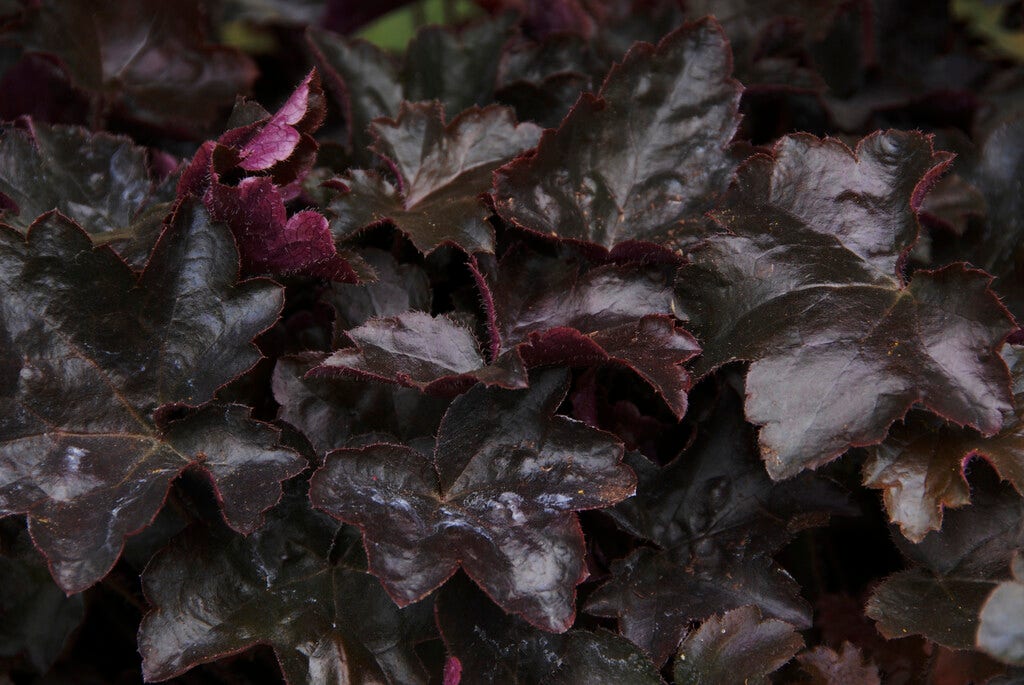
(93, 352)
(493, 647)
(441, 170)
(269, 240)
(278, 138)
(737, 646)
(807, 286)
(641, 161)
(497, 498)
(216, 593)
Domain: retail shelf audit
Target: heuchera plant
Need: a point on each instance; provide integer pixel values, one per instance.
(633, 341)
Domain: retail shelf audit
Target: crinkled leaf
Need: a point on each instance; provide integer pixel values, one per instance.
(644, 159)
(957, 568)
(38, 617)
(497, 499)
(1001, 622)
(432, 353)
(655, 596)
(268, 239)
(920, 465)
(847, 667)
(806, 285)
(442, 170)
(151, 59)
(281, 149)
(736, 647)
(493, 647)
(215, 593)
(91, 352)
(332, 412)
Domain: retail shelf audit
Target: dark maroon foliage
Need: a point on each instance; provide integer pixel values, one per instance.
(581, 342)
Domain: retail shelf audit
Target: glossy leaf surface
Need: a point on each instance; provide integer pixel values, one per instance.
(328, 621)
(641, 161)
(496, 498)
(806, 285)
(441, 169)
(77, 322)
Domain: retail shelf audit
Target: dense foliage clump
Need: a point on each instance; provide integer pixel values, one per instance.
(582, 341)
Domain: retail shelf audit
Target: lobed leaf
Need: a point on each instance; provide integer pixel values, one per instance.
(736, 647)
(641, 161)
(441, 171)
(496, 499)
(83, 450)
(215, 593)
(806, 285)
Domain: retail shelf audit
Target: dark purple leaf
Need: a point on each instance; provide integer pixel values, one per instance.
(150, 60)
(541, 311)
(98, 180)
(956, 570)
(654, 596)
(442, 170)
(718, 516)
(920, 465)
(1001, 622)
(847, 667)
(38, 618)
(435, 354)
(395, 289)
(497, 499)
(333, 412)
(641, 161)
(279, 138)
(715, 499)
(492, 647)
(807, 286)
(215, 593)
(91, 352)
(456, 68)
(737, 647)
